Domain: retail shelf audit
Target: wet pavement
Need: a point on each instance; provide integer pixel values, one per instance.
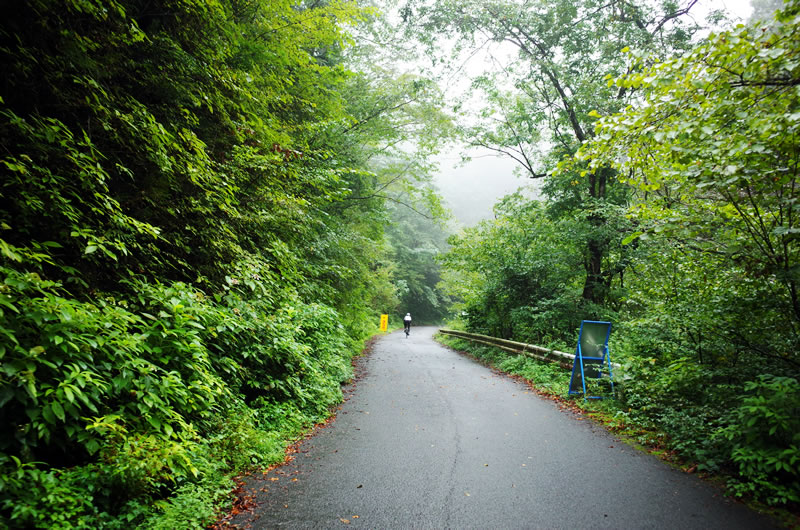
(429, 438)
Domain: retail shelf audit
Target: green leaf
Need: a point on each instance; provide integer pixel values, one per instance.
(631, 237)
(154, 421)
(92, 446)
(47, 414)
(57, 410)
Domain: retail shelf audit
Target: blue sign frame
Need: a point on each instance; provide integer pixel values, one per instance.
(590, 355)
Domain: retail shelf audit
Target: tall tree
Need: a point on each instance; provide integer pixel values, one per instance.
(539, 107)
(712, 149)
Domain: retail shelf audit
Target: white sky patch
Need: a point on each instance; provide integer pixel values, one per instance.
(740, 8)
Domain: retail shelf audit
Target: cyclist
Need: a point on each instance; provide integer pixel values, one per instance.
(407, 323)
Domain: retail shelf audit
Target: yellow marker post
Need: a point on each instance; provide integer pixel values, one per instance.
(384, 322)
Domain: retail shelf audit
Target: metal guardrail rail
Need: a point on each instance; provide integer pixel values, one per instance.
(531, 350)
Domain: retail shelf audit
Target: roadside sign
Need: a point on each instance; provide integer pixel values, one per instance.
(591, 357)
(384, 322)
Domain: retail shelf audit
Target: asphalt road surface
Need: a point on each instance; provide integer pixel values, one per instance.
(431, 439)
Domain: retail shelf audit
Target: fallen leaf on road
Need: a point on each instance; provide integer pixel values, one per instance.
(345, 521)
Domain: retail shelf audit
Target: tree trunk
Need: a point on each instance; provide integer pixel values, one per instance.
(594, 288)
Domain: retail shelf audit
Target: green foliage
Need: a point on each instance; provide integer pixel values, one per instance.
(520, 275)
(86, 372)
(690, 247)
(37, 498)
(763, 438)
(707, 150)
(138, 386)
(416, 243)
(99, 495)
(710, 151)
(192, 245)
(541, 102)
(549, 377)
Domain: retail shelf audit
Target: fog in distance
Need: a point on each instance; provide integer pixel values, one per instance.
(471, 189)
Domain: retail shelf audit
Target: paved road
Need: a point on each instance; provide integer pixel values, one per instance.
(431, 439)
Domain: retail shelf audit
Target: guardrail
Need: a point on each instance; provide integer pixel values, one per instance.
(530, 350)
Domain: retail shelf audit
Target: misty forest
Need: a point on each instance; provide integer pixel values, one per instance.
(206, 205)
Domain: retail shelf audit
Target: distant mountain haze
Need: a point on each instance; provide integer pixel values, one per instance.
(472, 189)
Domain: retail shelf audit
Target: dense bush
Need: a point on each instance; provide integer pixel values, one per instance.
(133, 398)
(762, 439)
(192, 200)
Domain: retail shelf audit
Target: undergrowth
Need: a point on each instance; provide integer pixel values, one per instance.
(137, 413)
